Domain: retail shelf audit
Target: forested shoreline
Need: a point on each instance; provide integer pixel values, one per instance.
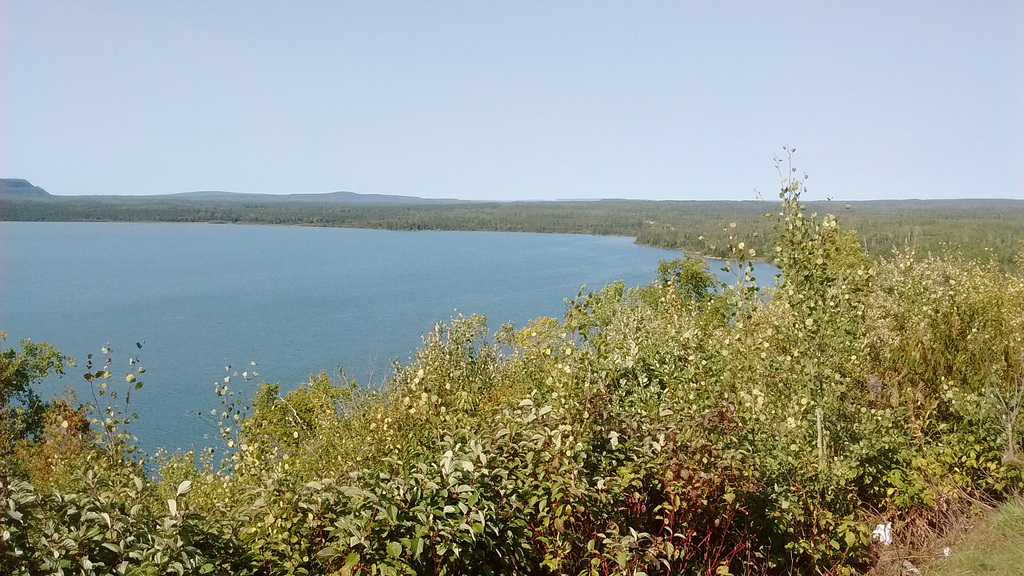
(682, 427)
(977, 228)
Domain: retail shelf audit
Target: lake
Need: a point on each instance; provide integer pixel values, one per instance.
(295, 300)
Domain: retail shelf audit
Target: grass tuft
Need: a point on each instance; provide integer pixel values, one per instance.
(995, 547)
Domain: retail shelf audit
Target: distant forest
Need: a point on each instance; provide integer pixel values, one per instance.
(977, 228)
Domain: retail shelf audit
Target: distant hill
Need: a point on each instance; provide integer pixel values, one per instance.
(18, 188)
(347, 198)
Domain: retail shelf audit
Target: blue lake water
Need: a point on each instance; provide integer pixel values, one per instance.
(295, 300)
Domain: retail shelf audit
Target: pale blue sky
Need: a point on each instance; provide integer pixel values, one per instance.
(514, 100)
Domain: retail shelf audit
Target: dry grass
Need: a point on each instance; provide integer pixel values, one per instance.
(994, 547)
(961, 536)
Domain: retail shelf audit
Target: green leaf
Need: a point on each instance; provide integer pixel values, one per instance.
(327, 553)
(184, 488)
(394, 549)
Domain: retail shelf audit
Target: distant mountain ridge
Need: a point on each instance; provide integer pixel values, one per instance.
(19, 188)
(320, 198)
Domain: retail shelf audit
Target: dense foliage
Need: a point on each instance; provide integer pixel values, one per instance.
(682, 427)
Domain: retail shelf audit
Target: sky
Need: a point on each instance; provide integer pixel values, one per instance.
(515, 100)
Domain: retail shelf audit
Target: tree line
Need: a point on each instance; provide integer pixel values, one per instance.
(977, 228)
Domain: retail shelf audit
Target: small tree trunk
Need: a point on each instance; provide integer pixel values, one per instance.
(1011, 445)
(821, 439)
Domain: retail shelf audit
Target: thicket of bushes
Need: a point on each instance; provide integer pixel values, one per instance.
(677, 428)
